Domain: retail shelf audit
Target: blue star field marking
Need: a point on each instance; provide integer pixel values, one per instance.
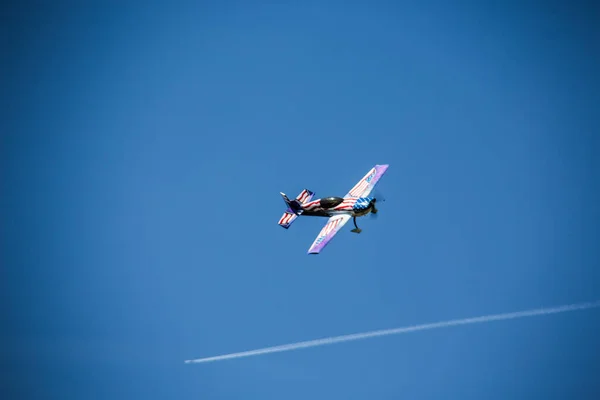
(362, 203)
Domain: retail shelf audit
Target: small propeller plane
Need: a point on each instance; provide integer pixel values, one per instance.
(355, 203)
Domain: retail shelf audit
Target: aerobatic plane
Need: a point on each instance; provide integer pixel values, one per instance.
(339, 210)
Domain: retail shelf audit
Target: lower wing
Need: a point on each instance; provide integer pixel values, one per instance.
(333, 225)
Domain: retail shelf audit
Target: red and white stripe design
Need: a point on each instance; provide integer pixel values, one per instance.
(345, 205)
(329, 227)
(333, 225)
(312, 205)
(303, 196)
(287, 218)
(362, 185)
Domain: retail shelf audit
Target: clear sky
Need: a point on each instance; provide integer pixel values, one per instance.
(144, 147)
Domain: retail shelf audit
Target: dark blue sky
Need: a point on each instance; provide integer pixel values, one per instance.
(144, 148)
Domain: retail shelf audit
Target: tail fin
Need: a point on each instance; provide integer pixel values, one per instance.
(294, 207)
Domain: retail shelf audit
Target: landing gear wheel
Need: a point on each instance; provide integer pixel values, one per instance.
(356, 229)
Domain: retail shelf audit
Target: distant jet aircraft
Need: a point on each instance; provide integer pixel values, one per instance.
(339, 209)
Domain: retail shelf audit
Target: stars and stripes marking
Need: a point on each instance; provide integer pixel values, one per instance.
(362, 203)
(327, 229)
(346, 205)
(363, 184)
(304, 196)
(312, 205)
(286, 219)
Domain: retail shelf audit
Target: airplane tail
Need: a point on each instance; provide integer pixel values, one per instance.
(294, 207)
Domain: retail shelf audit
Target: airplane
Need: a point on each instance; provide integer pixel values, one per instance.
(340, 210)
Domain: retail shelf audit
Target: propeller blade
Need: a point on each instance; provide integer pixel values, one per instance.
(378, 195)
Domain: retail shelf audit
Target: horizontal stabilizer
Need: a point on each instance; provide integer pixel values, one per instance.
(294, 207)
(286, 219)
(305, 196)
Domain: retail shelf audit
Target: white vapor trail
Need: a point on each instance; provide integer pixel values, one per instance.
(397, 331)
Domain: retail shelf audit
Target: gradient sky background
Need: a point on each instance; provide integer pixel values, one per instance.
(144, 148)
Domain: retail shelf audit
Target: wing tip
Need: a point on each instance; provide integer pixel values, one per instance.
(313, 250)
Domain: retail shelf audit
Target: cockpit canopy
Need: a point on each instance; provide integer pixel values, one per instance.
(330, 202)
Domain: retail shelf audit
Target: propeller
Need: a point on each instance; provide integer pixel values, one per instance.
(380, 198)
(378, 195)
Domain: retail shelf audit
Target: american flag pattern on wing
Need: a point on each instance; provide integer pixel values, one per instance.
(360, 187)
(333, 225)
(368, 182)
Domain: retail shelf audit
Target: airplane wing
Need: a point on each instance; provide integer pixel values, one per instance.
(333, 225)
(364, 187)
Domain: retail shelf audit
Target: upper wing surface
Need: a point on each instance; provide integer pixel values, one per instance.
(364, 187)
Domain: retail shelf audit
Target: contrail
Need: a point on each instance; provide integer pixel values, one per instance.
(397, 331)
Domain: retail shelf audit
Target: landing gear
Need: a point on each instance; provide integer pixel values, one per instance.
(356, 229)
(373, 211)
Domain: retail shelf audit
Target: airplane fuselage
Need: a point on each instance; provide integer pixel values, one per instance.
(330, 206)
